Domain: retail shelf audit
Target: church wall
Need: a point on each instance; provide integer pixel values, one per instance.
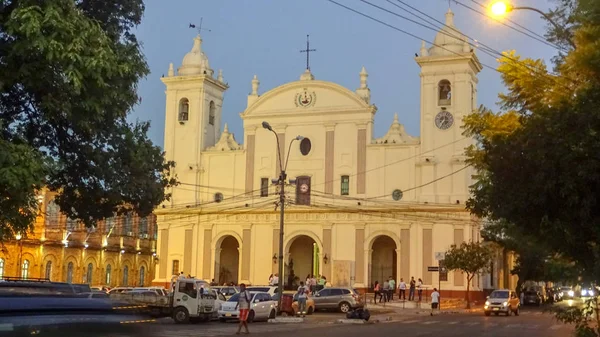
(223, 173)
(389, 171)
(346, 137)
(343, 253)
(261, 255)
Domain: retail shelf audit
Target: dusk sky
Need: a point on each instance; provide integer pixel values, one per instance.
(264, 37)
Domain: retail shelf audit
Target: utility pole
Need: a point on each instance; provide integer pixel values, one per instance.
(281, 183)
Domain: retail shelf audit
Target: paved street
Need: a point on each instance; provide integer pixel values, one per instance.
(531, 323)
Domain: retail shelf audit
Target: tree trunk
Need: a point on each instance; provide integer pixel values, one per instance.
(469, 278)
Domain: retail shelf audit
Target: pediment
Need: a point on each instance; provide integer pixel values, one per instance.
(306, 97)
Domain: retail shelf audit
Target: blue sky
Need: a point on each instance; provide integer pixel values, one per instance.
(264, 37)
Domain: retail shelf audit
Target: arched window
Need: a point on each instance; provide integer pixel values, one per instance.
(445, 92)
(128, 225)
(184, 110)
(1, 268)
(52, 213)
(109, 223)
(48, 274)
(143, 227)
(25, 270)
(125, 276)
(90, 273)
(108, 275)
(211, 113)
(71, 224)
(142, 276)
(70, 272)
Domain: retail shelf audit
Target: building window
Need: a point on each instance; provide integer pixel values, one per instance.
(71, 224)
(175, 269)
(109, 223)
(303, 191)
(143, 227)
(305, 146)
(142, 276)
(1, 268)
(345, 188)
(89, 274)
(184, 110)
(108, 275)
(445, 92)
(52, 213)
(128, 226)
(125, 276)
(211, 113)
(48, 274)
(70, 272)
(25, 270)
(264, 187)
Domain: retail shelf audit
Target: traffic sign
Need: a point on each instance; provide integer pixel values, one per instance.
(440, 256)
(433, 269)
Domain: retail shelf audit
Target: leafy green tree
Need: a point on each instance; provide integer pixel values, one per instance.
(471, 258)
(68, 79)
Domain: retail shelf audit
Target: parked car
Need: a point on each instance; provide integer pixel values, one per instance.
(272, 290)
(566, 293)
(502, 301)
(262, 307)
(342, 299)
(227, 291)
(310, 303)
(532, 297)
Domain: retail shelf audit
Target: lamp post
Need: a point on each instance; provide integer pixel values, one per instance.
(281, 183)
(20, 243)
(501, 7)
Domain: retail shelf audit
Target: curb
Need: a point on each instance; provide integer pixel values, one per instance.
(286, 320)
(351, 321)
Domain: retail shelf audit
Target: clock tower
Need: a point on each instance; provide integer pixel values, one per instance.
(449, 71)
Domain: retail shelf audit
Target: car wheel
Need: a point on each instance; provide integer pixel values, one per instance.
(250, 316)
(272, 314)
(344, 307)
(487, 313)
(311, 310)
(181, 315)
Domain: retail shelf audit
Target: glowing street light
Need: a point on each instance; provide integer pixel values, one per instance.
(500, 8)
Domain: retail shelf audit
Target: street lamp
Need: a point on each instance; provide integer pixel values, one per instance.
(281, 182)
(500, 8)
(19, 237)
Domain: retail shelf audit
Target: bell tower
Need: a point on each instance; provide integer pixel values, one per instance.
(449, 71)
(194, 101)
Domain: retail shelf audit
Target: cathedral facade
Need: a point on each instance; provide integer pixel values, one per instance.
(358, 208)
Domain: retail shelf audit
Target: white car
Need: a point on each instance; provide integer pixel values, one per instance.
(262, 307)
(271, 290)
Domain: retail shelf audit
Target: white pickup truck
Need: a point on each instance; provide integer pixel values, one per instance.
(191, 300)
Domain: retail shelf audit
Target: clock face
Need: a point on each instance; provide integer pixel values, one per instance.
(397, 195)
(303, 188)
(444, 120)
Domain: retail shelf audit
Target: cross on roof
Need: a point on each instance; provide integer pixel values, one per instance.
(307, 51)
(200, 29)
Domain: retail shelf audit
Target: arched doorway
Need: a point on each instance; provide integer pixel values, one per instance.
(302, 260)
(383, 259)
(227, 263)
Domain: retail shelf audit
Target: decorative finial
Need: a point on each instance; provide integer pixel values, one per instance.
(423, 50)
(171, 70)
(363, 78)
(449, 18)
(226, 129)
(220, 77)
(255, 84)
(197, 48)
(395, 118)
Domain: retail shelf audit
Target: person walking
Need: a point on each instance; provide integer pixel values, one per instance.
(402, 287)
(377, 292)
(392, 289)
(302, 294)
(420, 289)
(435, 300)
(385, 291)
(411, 290)
(243, 305)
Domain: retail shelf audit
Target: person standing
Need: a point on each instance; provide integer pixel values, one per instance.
(243, 305)
(402, 287)
(386, 290)
(420, 289)
(377, 292)
(411, 290)
(302, 294)
(435, 300)
(392, 289)
(275, 280)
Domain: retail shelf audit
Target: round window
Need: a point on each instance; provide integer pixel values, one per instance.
(305, 146)
(218, 197)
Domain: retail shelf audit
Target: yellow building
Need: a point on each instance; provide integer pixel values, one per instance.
(361, 208)
(118, 252)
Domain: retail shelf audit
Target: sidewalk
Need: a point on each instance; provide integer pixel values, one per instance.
(416, 308)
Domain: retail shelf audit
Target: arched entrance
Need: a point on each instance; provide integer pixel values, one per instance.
(227, 260)
(302, 260)
(383, 259)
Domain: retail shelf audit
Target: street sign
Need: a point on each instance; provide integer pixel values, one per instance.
(433, 269)
(440, 256)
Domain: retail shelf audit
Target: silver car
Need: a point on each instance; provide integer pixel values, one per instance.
(342, 299)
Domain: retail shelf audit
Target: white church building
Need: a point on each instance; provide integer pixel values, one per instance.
(359, 208)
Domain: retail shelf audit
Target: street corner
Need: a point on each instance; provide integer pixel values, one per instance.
(286, 320)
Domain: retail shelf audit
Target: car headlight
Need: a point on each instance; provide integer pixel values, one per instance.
(571, 293)
(505, 303)
(583, 292)
(487, 302)
(591, 293)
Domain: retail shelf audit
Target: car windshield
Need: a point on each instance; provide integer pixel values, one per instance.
(261, 289)
(235, 297)
(499, 294)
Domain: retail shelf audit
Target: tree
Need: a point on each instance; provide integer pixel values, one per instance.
(471, 258)
(68, 79)
(543, 173)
